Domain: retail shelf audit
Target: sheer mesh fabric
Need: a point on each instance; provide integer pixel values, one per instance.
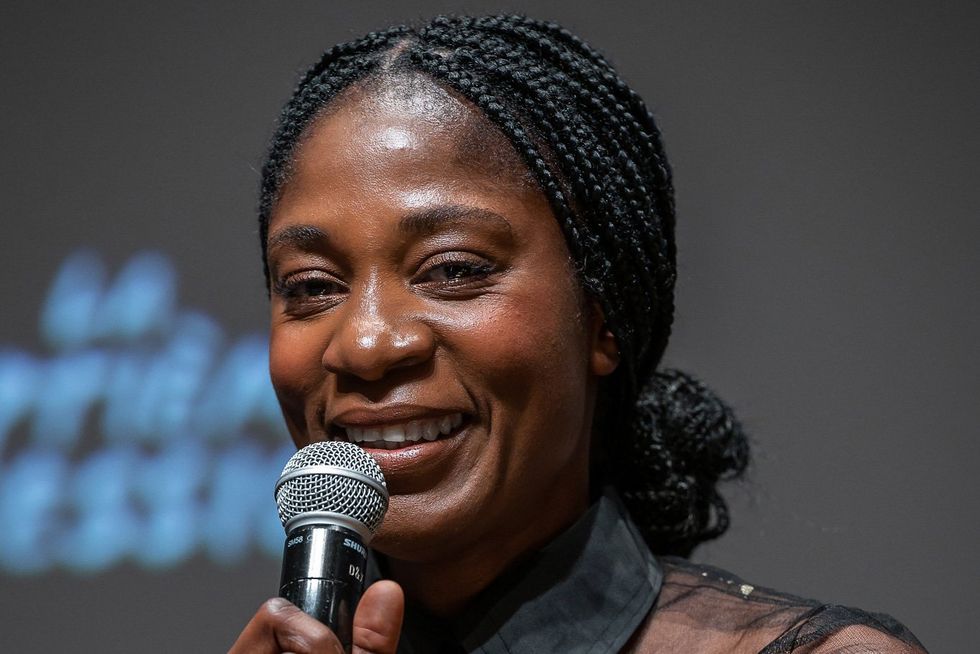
(705, 610)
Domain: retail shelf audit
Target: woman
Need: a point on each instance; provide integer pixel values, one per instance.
(468, 237)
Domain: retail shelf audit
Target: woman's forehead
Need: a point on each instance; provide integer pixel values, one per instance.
(379, 125)
(381, 156)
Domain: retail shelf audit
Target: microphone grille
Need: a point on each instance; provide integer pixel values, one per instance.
(345, 488)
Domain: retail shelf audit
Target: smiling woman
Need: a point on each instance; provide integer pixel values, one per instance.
(435, 299)
(468, 239)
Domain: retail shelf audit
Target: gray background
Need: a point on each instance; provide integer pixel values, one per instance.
(825, 156)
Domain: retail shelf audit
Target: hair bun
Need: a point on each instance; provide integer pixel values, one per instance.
(683, 440)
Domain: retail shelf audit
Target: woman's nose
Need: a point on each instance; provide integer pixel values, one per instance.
(376, 335)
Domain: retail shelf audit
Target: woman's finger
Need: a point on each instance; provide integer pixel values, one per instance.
(378, 620)
(278, 626)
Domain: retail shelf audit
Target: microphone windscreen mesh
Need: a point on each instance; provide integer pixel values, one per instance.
(353, 487)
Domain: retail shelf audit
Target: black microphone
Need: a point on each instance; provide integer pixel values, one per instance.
(331, 498)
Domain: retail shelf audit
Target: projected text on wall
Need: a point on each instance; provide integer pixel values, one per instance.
(141, 432)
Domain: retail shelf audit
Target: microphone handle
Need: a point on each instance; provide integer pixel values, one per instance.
(323, 568)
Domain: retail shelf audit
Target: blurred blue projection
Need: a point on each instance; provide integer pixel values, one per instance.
(143, 434)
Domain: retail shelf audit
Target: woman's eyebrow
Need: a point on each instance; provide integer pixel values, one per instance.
(433, 219)
(299, 236)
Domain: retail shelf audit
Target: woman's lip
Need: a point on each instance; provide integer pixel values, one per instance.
(418, 465)
(389, 415)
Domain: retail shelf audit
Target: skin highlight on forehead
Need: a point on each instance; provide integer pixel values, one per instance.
(481, 151)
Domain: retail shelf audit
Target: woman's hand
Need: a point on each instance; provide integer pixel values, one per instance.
(278, 626)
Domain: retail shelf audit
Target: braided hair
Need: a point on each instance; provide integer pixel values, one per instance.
(594, 150)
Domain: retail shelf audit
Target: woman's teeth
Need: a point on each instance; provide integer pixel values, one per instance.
(394, 436)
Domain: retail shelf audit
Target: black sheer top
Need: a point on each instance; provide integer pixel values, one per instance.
(597, 589)
(703, 609)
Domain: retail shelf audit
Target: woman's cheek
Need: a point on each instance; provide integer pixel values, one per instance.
(539, 329)
(294, 364)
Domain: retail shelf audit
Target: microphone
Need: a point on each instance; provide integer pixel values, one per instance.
(331, 498)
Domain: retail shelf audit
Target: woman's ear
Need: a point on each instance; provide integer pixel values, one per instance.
(603, 349)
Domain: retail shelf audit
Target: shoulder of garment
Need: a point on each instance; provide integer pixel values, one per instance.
(706, 610)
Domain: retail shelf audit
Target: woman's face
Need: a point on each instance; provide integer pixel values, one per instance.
(424, 305)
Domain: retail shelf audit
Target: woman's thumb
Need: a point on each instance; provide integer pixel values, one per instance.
(378, 619)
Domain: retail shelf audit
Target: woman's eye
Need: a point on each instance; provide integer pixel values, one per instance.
(308, 288)
(451, 271)
(316, 288)
(456, 272)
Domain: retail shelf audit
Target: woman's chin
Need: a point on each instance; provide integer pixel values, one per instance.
(418, 527)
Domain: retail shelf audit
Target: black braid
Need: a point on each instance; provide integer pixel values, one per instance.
(596, 153)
